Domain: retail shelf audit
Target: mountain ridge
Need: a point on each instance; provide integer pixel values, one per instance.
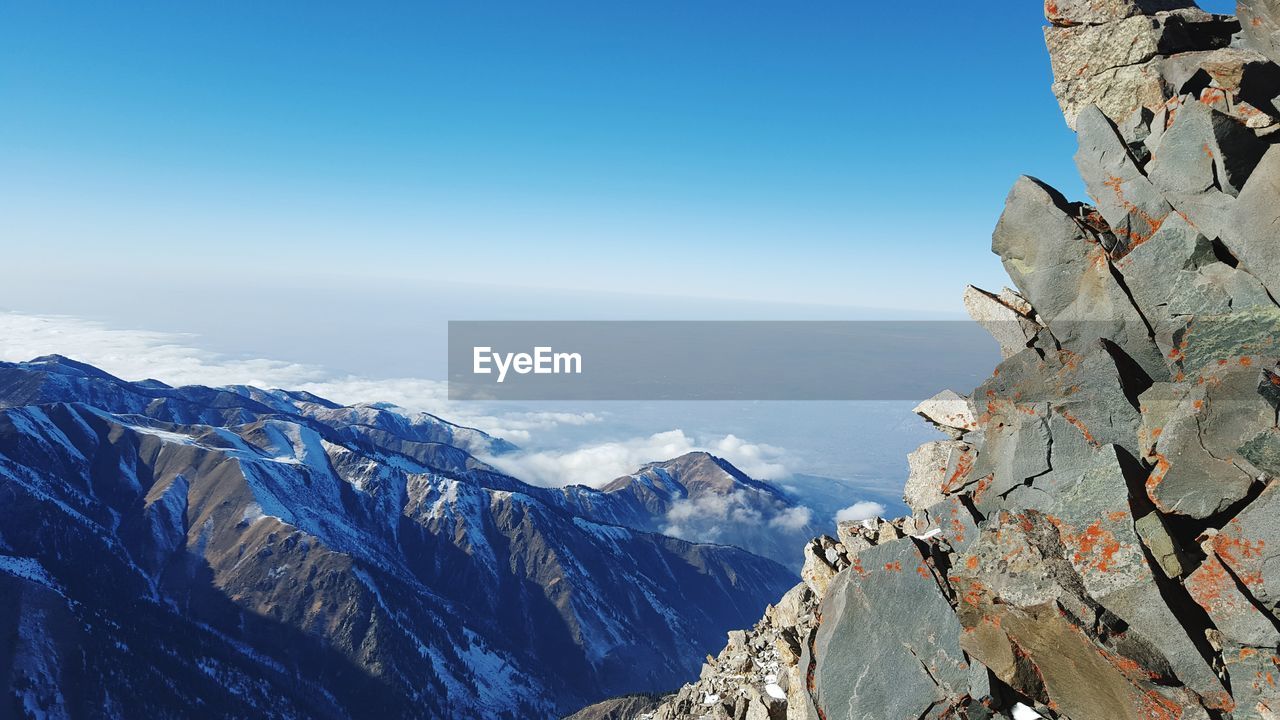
(413, 579)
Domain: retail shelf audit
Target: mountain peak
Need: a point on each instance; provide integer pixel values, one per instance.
(694, 473)
(67, 366)
(703, 498)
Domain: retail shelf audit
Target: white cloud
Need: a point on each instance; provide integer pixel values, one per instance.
(704, 518)
(792, 519)
(172, 358)
(859, 511)
(597, 464)
(757, 460)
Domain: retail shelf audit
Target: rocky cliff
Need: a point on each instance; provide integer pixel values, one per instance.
(1099, 538)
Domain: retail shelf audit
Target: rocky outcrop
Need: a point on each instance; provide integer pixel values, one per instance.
(1097, 538)
(1122, 56)
(768, 672)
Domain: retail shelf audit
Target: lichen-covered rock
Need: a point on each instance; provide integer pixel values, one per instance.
(949, 411)
(1061, 266)
(1008, 317)
(1205, 150)
(1096, 12)
(1200, 457)
(930, 467)
(1099, 538)
(1260, 20)
(1117, 65)
(888, 607)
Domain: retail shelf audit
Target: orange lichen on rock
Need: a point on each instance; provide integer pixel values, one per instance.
(1079, 425)
(1153, 224)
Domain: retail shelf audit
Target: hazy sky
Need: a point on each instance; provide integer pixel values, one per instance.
(822, 152)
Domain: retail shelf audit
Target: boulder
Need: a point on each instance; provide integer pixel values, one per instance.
(930, 467)
(1216, 589)
(888, 645)
(1008, 317)
(1248, 547)
(1205, 151)
(949, 411)
(1201, 456)
(820, 564)
(1132, 206)
(1161, 545)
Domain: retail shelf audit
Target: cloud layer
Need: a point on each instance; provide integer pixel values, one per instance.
(173, 358)
(597, 464)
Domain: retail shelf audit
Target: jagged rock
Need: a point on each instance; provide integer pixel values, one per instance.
(1260, 20)
(1241, 82)
(1205, 150)
(1063, 270)
(1095, 12)
(1182, 284)
(787, 611)
(1214, 587)
(949, 411)
(1255, 223)
(1160, 543)
(1116, 65)
(929, 468)
(1008, 317)
(890, 608)
(1253, 671)
(1045, 594)
(1247, 545)
(1131, 205)
(954, 522)
(1202, 451)
(820, 561)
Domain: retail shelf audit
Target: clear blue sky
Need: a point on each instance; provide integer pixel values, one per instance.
(825, 152)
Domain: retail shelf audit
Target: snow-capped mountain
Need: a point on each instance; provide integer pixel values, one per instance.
(703, 498)
(257, 553)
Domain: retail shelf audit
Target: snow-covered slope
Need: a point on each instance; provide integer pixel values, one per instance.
(270, 554)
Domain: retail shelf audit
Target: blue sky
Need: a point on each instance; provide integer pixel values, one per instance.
(842, 153)
(288, 193)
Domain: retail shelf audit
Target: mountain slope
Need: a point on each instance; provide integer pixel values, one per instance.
(269, 554)
(702, 498)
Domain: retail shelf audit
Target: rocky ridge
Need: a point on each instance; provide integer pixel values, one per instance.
(1097, 538)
